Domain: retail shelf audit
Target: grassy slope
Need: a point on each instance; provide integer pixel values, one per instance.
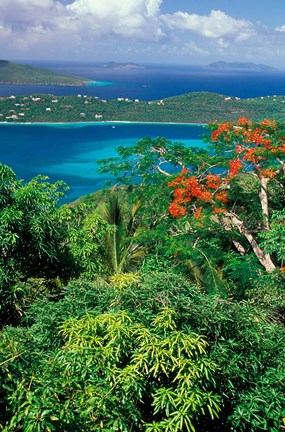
(17, 73)
(197, 107)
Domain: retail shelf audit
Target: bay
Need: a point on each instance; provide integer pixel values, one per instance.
(69, 151)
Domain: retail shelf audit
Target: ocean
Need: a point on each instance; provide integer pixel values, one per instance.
(156, 82)
(69, 151)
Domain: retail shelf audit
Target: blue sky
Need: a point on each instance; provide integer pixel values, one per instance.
(194, 32)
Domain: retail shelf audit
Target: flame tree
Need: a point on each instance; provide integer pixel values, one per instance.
(247, 167)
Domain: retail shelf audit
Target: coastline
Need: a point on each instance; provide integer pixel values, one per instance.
(85, 83)
(113, 122)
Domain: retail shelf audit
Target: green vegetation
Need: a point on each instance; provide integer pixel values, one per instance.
(201, 107)
(14, 73)
(157, 305)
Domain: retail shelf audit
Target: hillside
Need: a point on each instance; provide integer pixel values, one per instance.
(196, 107)
(14, 73)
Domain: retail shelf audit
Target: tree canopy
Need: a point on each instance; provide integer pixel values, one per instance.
(157, 305)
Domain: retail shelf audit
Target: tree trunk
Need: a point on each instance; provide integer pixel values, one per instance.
(264, 258)
(263, 195)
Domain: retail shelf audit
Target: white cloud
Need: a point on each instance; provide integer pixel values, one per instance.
(32, 22)
(128, 18)
(153, 7)
(216, 25)
(25, 15)
(281, 28)
(97, 29)
(223, 44)
(192, 48)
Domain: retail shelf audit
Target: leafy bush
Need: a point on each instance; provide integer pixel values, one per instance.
(114, 373)
(115, 358)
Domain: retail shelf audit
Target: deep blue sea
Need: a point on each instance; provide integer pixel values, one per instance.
(156, 82)
(69, 152)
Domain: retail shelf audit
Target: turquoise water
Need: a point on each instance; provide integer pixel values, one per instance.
(98, 83)
(69, 151)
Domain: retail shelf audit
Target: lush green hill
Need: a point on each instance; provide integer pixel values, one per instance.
(197, 107)
(18, 73)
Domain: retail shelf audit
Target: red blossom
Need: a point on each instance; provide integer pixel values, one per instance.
(250, 155)
(217, 210)
(222, 129)
(254, 145)
(282, 148)
(235, 166)
(267, 144)
(213, 181)
(179, 194)
(204, 196)
(243, 121)
(197, 213)
(176, 210)
(239, 148)
(266, 122)
(215, 135)
(269, 173)
(222, 196)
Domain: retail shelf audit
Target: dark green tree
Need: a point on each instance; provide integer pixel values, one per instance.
(32, 235)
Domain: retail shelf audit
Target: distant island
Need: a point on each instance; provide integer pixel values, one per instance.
(115, 65)
(14, 73)
(225, 66)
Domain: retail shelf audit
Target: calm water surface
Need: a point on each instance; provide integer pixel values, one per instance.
(69, 151)
(155, 82)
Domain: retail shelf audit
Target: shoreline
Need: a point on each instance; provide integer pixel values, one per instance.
(84, 83)
(115, 122)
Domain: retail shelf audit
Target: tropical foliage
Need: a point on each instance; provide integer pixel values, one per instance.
(157, 305)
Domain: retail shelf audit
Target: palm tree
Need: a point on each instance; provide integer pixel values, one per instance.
(121, 245)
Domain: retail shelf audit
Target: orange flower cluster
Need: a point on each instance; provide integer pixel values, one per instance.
(257, 136)
(223, 129)
(176, 210)
(191, 189)
(235, 166)
(239, 148)
(250, 156)
(243, 121)
(222, 196)
(253, 144)
(266, 122)
(197, 213)
(217, 210)
(255, 148)
(213, 181)
(269, 173)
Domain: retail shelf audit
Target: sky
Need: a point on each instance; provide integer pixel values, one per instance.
(190, 32)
